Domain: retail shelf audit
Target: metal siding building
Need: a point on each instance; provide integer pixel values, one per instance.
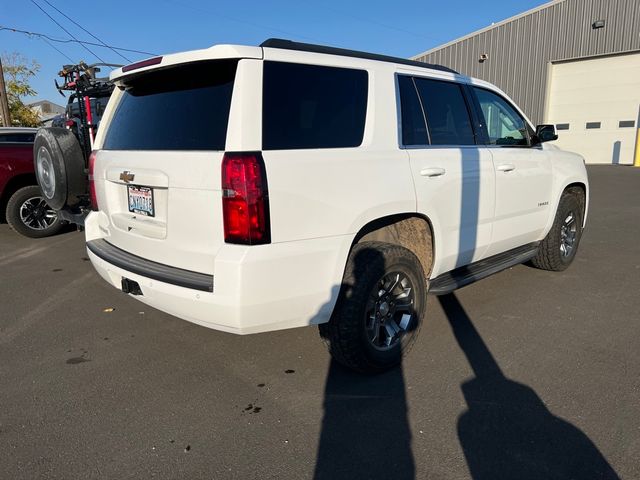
(523, 51)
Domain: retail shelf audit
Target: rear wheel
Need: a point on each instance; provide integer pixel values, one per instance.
(28, 214)
(559, 247)
(380, 306)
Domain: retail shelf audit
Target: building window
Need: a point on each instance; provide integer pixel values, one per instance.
(591, 125)
(626, 124)
(562, 126)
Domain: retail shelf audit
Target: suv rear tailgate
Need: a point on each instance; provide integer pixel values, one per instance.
(186, 227)
(157, 173)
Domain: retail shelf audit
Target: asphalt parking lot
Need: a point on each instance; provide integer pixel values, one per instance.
(527, 374)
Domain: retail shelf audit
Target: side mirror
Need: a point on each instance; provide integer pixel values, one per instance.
(546, 133)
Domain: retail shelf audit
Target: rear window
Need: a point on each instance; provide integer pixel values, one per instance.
(17, 137)
(311, 106)
(180, 108)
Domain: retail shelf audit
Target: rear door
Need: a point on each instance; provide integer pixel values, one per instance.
(158, 171)
(453, 175)
(331, 162)
(523, 174)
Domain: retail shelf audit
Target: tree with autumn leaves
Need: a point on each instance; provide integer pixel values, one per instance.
(18, 72)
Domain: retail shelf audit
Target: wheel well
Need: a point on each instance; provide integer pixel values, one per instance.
(580, 190)
(13, 185)
(410, 231)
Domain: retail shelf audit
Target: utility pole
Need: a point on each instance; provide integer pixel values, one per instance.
(4, 102)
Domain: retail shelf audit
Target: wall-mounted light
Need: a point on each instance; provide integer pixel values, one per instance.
(483, 57)
(597, 24)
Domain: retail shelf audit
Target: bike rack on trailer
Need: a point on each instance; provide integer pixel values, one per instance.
(84, 84)
(82, 80)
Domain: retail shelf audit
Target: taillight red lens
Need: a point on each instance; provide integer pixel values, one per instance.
(92, 184)
(245, 199)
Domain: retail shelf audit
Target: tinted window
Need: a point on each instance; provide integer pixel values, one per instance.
(504, 125)
(446, 111)
(593, 124)
(309, 106)
(17, 137)
(181, 108)
(562, 126)
(414, 130)
(626, 123)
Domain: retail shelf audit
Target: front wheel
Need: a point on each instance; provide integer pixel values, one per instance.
(28, 213)
(380, 307)
(559, 247)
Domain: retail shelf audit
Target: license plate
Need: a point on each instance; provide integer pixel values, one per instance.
(141, 200)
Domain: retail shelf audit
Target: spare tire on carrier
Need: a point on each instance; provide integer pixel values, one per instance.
(60, 167)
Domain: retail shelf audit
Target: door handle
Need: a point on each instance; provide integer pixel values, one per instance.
(506, 167)
(432, 172)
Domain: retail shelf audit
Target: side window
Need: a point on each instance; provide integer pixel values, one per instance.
(504, 125)
(414, 129)
(311, 106)
(448, 119)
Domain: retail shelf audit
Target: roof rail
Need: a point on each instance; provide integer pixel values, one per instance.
(310, 47)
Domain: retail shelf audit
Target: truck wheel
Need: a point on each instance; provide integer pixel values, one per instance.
(60, 167)
(379, 309)
(29, 215)
(559, 247)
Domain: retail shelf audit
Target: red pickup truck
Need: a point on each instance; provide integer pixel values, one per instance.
(21, 200)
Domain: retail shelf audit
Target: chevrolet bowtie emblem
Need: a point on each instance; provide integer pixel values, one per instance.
(127, 176)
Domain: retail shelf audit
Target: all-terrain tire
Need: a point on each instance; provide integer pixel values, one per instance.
(551, 255)
(30, 226)
(60, 167)
(346, 333)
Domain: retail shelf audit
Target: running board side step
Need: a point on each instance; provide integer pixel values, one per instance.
(450, 281)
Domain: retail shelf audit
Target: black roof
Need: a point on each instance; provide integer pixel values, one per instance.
(310, 47)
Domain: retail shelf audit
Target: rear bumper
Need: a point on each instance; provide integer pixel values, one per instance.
(257, 289)
(152, 270)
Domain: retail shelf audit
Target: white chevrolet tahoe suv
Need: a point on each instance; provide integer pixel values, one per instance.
(250, 189)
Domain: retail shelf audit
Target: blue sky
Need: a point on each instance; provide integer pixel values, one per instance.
(401, 28)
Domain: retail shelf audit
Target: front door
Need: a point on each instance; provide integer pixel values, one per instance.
(523, 175)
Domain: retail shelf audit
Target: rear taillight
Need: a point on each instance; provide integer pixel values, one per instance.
(92, 183)
(245, 199)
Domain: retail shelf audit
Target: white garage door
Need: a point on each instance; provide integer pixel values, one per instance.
(595, 105)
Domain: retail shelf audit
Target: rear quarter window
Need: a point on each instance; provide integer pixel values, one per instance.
(178, 108)
(311, 106)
